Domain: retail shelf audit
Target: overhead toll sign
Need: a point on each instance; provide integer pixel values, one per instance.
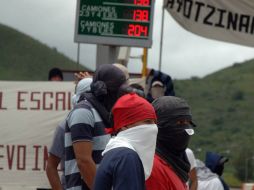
(115, 22)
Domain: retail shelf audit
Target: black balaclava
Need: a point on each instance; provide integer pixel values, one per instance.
(173, 139)
(107, 81)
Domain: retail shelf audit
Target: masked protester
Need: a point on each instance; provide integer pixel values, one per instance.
(215, 162)
(128, 157)
(85, 137)
(207, 180)
(175, 126)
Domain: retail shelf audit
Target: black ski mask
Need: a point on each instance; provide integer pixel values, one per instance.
(173, 138)
(107, 81)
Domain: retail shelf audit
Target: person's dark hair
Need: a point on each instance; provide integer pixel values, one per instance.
(137, 86)
(126, 89)
(55, 72)
(138, 89)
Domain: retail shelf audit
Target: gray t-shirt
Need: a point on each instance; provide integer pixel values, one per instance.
(57, 146)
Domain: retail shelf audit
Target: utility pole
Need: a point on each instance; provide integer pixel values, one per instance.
(78, 55)
(144, 60)
(246, 169)
(162, 34)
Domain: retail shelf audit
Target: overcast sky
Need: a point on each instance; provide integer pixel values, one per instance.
(184, 54)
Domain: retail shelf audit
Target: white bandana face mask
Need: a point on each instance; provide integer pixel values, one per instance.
(141, 139)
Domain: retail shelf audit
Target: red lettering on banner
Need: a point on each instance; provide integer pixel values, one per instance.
(60, 97)
(10, 155)
(36, 147)
(14, 157)
(21, 158)
(1, 156)
(33, 99)
(45, 157)
(21, 100)
(45, 94)
(43, 101)
(1, 101)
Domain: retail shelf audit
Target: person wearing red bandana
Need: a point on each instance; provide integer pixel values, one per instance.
(128, 157)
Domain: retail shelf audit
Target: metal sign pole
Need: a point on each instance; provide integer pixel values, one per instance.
(162, 33)
(78, 56)
(106, 54)
(144, 59)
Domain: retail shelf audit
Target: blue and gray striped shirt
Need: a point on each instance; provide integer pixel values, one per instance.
(83, 124)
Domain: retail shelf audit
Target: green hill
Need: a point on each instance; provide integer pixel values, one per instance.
(24, 58)
(222, 106)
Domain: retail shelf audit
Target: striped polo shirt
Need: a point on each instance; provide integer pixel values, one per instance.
(83, 124)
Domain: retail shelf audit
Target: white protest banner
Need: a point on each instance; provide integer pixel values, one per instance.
(29, 114)
(224, 20)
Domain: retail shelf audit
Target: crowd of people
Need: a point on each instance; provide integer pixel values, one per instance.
(122, 136)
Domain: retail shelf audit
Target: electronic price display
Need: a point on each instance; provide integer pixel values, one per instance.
(115, 22)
